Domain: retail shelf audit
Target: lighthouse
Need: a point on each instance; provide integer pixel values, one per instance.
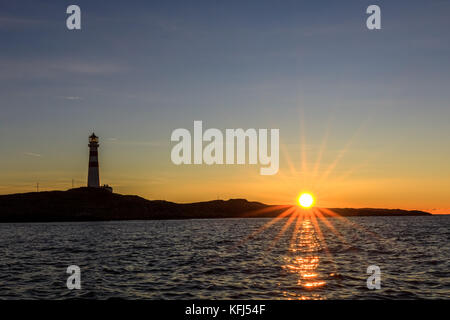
(93, 176)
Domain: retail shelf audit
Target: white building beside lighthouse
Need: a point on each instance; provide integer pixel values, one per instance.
(93, 174)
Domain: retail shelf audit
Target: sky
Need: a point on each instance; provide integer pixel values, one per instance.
(363, 114)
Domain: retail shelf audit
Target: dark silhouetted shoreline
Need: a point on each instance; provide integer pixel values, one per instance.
(96, 204)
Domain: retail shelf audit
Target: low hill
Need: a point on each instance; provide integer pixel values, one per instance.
(95, 204)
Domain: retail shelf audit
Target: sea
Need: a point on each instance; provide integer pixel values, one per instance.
(253, 258)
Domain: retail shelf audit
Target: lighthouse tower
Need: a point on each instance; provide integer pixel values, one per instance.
(93, 176)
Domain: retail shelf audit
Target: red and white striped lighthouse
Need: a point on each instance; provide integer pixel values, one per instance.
(93, 175)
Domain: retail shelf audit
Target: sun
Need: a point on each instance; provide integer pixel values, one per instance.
(306, 200)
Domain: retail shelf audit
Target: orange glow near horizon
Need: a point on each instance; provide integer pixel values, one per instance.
(334, 173)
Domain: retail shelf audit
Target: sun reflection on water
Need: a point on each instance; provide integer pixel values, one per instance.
(307, 246)
(303, 259)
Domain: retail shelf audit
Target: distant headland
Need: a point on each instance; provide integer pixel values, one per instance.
(100, 204)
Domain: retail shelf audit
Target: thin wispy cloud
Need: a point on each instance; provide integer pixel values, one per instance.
(10, 22)
(72, 98)
(33, 154)
(13, 68)
(134, 143)
(89, 67)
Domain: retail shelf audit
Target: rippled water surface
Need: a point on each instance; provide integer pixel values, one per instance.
(214, 259)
